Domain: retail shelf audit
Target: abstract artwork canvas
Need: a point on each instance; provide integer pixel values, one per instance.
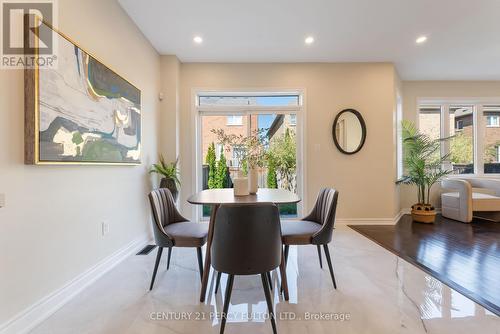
(80, 112)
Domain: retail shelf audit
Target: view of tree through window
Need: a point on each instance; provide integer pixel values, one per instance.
(462, 141)
(430, 122)
(491, 139)
(277, 133)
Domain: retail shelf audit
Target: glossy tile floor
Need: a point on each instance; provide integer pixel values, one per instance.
(377, 293)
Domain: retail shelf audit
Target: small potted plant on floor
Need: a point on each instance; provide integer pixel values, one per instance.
(423, 168)
(169, 174)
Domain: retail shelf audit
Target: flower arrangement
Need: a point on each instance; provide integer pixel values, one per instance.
(252, 153)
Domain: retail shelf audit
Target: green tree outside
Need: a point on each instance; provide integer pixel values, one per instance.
(221, 172)
(211, 162)
(272, 179)
(283, 152)
(461, 149)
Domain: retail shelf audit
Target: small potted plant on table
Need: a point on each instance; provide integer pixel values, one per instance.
(423, 168)
(169, 174)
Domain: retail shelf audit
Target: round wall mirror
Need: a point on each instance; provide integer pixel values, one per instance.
(349, 131)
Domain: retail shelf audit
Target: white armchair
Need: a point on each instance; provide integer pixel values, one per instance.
(462, 197)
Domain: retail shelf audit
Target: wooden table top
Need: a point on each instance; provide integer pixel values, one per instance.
(226, 196)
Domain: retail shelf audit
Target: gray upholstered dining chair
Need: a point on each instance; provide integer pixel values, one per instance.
(171, 229)
(314, 229)
(247, 241)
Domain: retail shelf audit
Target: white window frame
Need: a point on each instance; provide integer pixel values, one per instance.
(479, 126)
(399, 138)
(222, 110)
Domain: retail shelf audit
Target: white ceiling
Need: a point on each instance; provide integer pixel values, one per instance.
(463, 35)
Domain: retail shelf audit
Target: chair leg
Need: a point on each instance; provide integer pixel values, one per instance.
(169, 255)
(329, 260)
(217, 282)
(269, 279)
(200, 261)
(319, 255)
(158, 257)
(265, 285)
(229, 288)
(287, 248)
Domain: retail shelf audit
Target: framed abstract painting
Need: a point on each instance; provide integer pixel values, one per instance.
(80, 111)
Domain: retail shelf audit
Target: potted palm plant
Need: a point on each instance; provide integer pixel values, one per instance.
(423, 168)
(169, 174)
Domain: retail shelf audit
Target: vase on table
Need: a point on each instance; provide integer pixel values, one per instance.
(253, 180)
(240, 185)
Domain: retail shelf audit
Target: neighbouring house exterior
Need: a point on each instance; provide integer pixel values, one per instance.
(231, 124)
(461, 128)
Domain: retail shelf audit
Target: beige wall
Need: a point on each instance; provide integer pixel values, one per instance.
(168, 125)
(412, 90)
(365, 180)
(50, 227)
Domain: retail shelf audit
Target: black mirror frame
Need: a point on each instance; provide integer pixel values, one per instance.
(363, 131)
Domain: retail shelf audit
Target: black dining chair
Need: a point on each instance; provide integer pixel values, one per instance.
(247, 241)
(314, 229)
(171, 229)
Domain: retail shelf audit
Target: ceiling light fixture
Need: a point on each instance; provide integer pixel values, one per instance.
(309, 40)
(198, 39)
(421, 39)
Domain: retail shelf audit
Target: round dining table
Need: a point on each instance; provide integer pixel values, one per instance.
(216, 197)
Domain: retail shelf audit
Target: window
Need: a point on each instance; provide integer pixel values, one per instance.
(274, 118)
(237, 153)
(493, 121)
(474, 131)
(233, 120)
(491, 139)
(249, 100)
(461, 145)
(218, 151)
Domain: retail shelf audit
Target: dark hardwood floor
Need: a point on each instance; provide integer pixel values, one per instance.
(466, 257)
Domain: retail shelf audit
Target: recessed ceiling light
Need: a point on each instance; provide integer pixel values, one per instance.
(421, 39)
(198, 39)
(309, 40)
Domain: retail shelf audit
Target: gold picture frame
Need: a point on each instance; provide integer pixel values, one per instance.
(92, 146)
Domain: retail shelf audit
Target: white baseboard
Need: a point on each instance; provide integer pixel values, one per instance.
(28, 319)
(370, 221)
(407, 211)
